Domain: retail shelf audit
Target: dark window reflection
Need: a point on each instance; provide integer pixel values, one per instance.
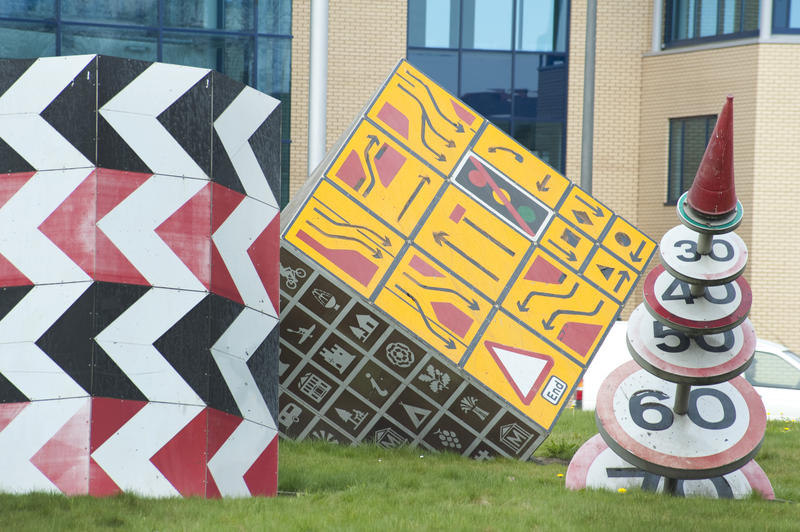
(132, 44)
(28, 8)
(139, 13)
(20, 40)
(689, 20)
(511, 65)
(688, 138)
(209, 14)
(786, 16)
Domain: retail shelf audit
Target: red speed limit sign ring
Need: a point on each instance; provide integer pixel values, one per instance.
(720, 307)
(689, 359)
(722, 430)
(595, 466)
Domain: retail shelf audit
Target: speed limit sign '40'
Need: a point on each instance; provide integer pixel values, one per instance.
(722, 431)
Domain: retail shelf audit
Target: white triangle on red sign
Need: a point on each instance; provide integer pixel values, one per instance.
(524, 370)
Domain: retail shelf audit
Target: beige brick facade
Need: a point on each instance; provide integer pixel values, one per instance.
(365, 41)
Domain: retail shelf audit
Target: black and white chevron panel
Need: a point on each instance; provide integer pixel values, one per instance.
(138, 279)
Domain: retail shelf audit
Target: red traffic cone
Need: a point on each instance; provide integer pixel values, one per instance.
(712, 192)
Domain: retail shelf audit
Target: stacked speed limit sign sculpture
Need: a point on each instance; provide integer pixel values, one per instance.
(678, 417)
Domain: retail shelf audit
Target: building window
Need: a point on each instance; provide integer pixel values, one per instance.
(505, 58)
(695, 21)
(248, 40)
(688, 138)
(786, 16)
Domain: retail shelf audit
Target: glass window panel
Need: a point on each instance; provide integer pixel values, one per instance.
(541, 25)
(708, 18)
(133, 44)
(28, 8)
(441, 66)
(540, 87)
(433, 23)
(209, 14)
(543, 139)
(486, 83)
(694, 146)
(26, 40)
(233, 56)
(140, 12)
(275, 16)
(794, 14)
(274, 66)
(729, 16)
(486, 24)
(674, 185)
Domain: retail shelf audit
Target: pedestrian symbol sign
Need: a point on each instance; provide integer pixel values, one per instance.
(484, 281)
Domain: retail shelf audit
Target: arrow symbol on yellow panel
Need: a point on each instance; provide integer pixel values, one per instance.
(635, 255)
(472, 304)
(623, 276)
(541, 186)
(424, 180)
(427, 121)
(459, 127)
(440, 237)
(569, 254)
(373, 141)
(516, 155)
(448, 342)
(548, 324)
(523, 305)
(376, 253)
(597, 211)
(384, 239)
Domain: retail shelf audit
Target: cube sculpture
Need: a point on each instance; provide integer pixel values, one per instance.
(440, 285)
(138, 260)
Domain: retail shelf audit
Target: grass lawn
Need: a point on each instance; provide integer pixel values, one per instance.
(369, 488)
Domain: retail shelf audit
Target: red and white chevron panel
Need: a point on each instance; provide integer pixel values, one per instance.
(138, 279)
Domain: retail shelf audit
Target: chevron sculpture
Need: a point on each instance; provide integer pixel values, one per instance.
(139, 268)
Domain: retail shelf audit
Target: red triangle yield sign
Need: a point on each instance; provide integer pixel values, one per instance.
(71, 226)
(188, 234)
(524, 370)
(64, 459)
(264, 253)
(262, 477)
(182, 460)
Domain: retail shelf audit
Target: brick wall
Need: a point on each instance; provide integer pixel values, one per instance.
(365, 41)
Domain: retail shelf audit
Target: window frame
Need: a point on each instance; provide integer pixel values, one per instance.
(711, 121)
(670, 8)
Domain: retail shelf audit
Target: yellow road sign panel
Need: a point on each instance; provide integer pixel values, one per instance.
(585, 212)
(444, 310)
(344, 238)
(523, 369)
(515, 161)
(474, 244)
(566, 243)
(560, 305)
(610, 274)
(385, 177)
(629, 244)
(425, 118)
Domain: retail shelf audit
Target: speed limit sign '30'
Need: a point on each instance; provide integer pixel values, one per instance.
(722, 430)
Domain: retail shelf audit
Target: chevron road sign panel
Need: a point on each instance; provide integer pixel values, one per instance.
(139, 275)
(442, 286)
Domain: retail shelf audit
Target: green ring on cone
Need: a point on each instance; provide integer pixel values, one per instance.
(708, 226)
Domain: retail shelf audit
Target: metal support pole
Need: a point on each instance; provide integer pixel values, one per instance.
(671, 486)
(587, 134)
(681, 399)
(318, 84)
(704, 243)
